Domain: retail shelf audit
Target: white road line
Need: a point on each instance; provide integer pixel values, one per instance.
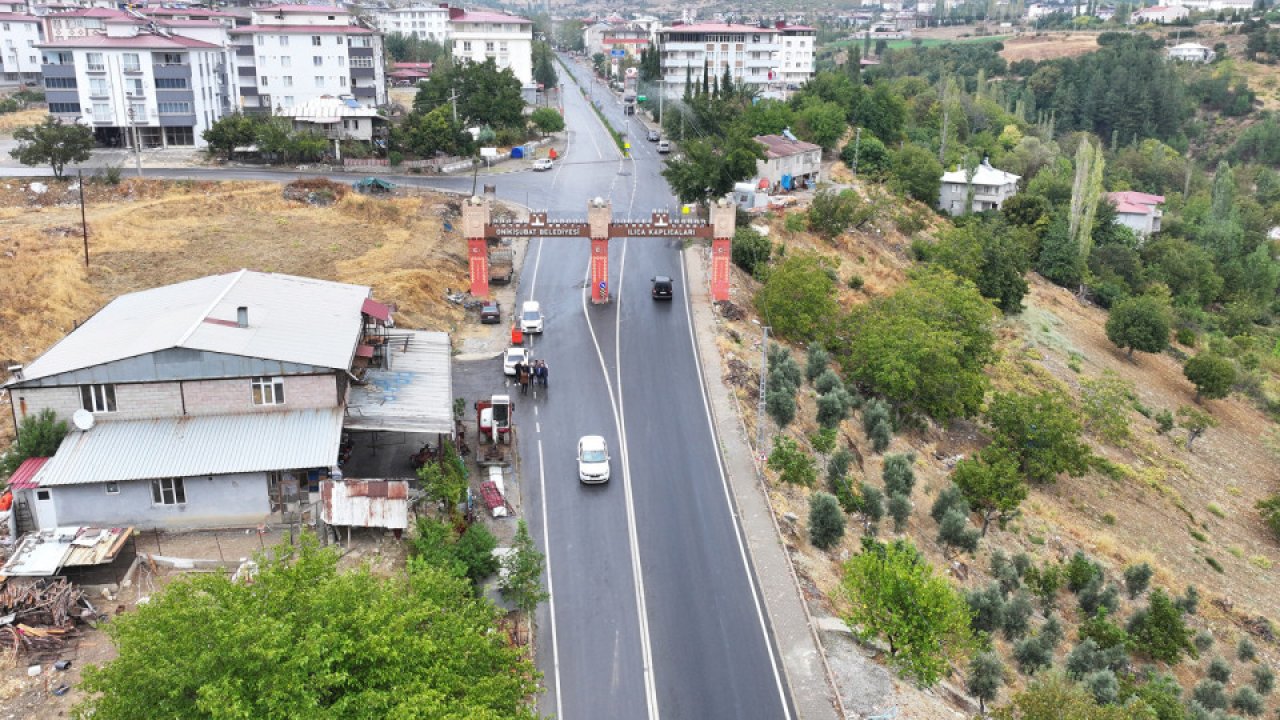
(646, 651)
(537, 427)
(728, 499)
(551, 593)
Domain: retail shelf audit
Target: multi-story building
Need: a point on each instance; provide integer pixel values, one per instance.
(991, 187)
(292, 54)
(1138, 211)
(506, 39)
(424, 22)
(757, 56)
(132, 81)
(19, 56)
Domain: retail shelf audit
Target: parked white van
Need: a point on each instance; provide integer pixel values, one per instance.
(531, 316)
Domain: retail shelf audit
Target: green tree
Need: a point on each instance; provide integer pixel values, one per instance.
(954, 533)
(485, 94)
(1053, 696)
(991, 254)
(894, 593)
(1042, 431)
(1137, 578)
(899, 477)
(1139, 323)
(900, 511)
(924, 347)
(877, 424)
(1105, 402)
(304, 638)
(1060, 259)
(798, 298)
(1188, 270)
(821, 123)
(1159, 632)
(766, 117)
(230, 132)
(475, 549)
(547, 120)
(916, 173)
(522, 573)
(425, 134)
(711, 167)
(826, 521)
(52, 143)
(445, 481)
(751, 250)
(39, 435)
(544, 65)
(1212, 374)
(830, 214)
(1195, 422)
(992, 483)
(1085, 192)
(793, 465)
(985, 676)
(867, 157)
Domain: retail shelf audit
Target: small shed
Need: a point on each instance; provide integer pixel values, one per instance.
(365, 503)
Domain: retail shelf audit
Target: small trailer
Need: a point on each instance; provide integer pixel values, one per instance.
(494, 430)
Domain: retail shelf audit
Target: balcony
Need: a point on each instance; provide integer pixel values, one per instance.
(360, 52)
(360, 72)
(364, 92)
(132, 69)
(248, 72)
(95, 67)
(244, 51)
(58, 70)
(249, 91)
(173, 71)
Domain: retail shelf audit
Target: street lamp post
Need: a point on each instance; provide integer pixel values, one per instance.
(133, 134)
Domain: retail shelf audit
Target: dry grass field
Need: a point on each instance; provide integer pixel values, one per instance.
(22, 118)
(146, 233)
(1048, 46)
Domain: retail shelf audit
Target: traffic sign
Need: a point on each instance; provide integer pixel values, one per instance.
(618, 53)
(603, 285)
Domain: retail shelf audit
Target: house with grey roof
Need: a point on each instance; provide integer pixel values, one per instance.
(216, 401)
(788, 162)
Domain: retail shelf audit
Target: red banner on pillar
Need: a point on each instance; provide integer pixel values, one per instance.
(599, 270)
(720, 253)
(478, 257)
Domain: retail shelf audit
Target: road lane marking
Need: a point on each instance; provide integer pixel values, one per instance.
(537, 427)
(642, 616)
(551, 593)
(728, 499)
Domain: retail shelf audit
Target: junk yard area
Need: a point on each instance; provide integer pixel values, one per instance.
(145, 233)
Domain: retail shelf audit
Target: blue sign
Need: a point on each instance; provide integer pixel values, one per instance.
(618, 53)
(602, 285)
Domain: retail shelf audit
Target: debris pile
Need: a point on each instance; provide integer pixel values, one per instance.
(730, 311)
(315, 191)
(39, 614)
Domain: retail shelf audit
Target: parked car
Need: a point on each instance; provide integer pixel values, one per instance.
(593, 459)
(531, 316)
(512, 357)
(654, 136)
(542, 164)
(661, 288)
(491, 312)
(664, 146)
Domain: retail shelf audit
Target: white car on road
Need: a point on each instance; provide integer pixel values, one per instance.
(593, 459)
(512, 357)
(543, 164)
(531, 316)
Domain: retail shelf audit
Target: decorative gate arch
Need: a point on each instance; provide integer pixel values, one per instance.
(599, 228)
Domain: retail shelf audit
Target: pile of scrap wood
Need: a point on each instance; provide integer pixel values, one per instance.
(39, 614)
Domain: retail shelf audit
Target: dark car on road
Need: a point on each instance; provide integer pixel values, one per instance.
(491, 313)
(662, 288)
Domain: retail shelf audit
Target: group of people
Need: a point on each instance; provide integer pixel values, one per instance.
(533, 373)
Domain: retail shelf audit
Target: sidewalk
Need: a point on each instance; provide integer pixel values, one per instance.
(803, 663)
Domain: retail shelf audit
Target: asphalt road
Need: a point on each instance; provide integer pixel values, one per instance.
(653, 611)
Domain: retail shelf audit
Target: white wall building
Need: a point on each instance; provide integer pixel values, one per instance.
(1138, 211)
(788, 163)
(166, 89)
(292, 54)
(793, 65)
(747, 51)
(991, 187)
(1214, 5)
(424, 22)
(507, 39)
(1191, 52)
(19, 56)
(1159, 14)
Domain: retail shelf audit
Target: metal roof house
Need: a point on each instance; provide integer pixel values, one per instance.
(991, 187)
(211, 402)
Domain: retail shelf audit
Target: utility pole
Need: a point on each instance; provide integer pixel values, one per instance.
(857, 144)
(761, 412)
(133, 132)
(453, 100)
(84, 225)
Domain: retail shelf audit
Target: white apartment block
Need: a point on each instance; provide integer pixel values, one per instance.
(292, 54)
(424, 22)
(19, 56)
(757, 56)
(130, 81)
(507, 39)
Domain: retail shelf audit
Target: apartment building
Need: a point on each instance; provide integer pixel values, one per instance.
(794, 63)
(757, 56)
(132, 81)
(292, 54)
(19, 57)
(424, 22)
(478, 36)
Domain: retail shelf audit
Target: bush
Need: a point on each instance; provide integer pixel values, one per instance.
(1103, 686)
(1264, 680)
(793, 465)
(1137, 578)
(949, 498)
(1190, 602)
(1203, 641)
(1248, 701)
(780, 404)
(816, 363)
(1096, 595)
(1105, 404)
(833, 408)
(1164, 421)
(1219, 670)
(1007, 573)
(1159, 632)
(954, 532)
(795, 222)
(1211, 694)
(831, 213)
(986, 608)
(1032, 655)
(475, 550)
(827, 381)
(1212, 374)
(1270, 509)
(1081, 571)
(900, 511)
(39, 435)
(1246, 651)
(750, 250)
(899, 478)
(826, 521)
(877, 423)
(1104, 633)
(1016, 617)
(1044, 581)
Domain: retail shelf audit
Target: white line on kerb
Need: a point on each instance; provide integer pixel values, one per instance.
(646, 652)
(551, 593)
(724, 482)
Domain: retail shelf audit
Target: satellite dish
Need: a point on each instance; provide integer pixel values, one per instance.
(82, 419)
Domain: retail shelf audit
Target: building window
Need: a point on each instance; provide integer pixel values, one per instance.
(284, 61)
(94, 63)
(342, 80)
(262, 81)
(288, 101)
(361, 62)
(342, 60)
(284, 41)
(319, 81)
(262, 39)
(168, 491)
(488, 47)
(315, 40)
(131, 63)
(73, 107)
(466, 46)
(268, 390)
(98, 398)
(113, 488)
(288, 80)
(174, 108)
(60, 83)
(317, 61)
(171, 83)
(43, 494)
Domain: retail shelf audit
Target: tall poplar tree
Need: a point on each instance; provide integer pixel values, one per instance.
(1085, 192)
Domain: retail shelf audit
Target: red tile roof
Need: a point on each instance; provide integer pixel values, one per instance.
(412, 66)
(718, 27)
(1134, 203)
(304, 29)
(164, 22)
(138, 41)
(93, 13)
(317, 9)
(17, 17)
(162, 11)
(24, 477)
(490, 17)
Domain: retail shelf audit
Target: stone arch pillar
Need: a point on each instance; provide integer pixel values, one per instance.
(723, 222)
(475, 215)
(599, 215)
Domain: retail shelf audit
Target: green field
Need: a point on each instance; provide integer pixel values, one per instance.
(925, 42)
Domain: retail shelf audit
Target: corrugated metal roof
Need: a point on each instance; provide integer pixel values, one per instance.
(365, 503)
(24, 478)
(778, 146)
(120, 450)
(414, 395)
(291, 319)
(984, 174)
(45, 552)
(327, 110)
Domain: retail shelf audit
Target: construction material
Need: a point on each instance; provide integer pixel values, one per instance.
(44, 612)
